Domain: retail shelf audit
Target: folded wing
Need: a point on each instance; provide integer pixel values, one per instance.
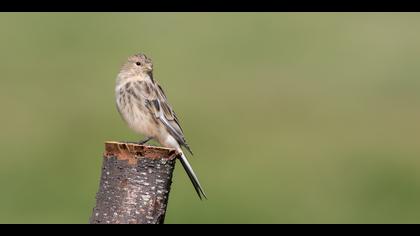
(157, 103)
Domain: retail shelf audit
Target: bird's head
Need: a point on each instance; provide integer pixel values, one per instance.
(137, 65)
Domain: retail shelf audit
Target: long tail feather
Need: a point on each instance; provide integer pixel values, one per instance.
(192, 176)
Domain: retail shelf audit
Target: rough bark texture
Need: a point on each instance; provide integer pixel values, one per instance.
(135, 184)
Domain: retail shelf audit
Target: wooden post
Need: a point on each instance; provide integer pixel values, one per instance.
(135, 184)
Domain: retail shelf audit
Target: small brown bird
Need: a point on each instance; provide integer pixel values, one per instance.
(144, 107)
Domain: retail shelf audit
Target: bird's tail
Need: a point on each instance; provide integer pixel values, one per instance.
(193, 177)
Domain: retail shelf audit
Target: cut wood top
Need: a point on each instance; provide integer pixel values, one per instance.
(132, 152)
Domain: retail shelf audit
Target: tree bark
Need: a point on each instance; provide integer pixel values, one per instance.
(135, 184)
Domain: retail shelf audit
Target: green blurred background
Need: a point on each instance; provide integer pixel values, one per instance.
(293, 117)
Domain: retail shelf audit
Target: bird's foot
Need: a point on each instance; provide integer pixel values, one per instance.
(141, 142)
(127, 142)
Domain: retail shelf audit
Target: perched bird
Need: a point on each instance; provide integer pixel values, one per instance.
(144, 107)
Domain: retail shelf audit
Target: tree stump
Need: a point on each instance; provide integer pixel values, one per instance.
(135, 184)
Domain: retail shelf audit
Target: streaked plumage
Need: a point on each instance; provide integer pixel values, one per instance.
(143, 105)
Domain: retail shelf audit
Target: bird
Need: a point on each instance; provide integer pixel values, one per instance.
(144, 107)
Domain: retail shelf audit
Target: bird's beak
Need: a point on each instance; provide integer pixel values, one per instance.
(149, 67)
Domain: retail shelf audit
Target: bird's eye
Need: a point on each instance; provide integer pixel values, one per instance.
(138, 63)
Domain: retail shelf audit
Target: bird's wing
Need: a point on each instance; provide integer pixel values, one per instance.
(168, 111)
(157, 103)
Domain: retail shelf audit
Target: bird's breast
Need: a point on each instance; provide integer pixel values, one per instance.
(135, 113)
